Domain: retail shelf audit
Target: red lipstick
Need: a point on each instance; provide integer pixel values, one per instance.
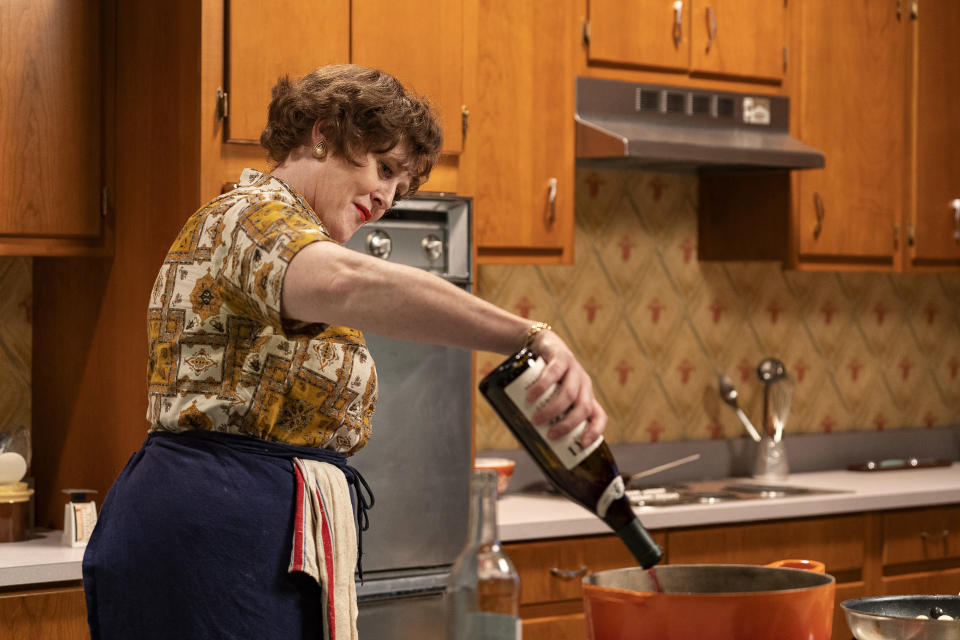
(364, 212)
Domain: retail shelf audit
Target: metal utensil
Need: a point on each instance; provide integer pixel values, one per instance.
(664, 467)
(729, 395)
(781, 396)
(770, 371)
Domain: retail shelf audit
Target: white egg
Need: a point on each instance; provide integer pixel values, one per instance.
(945, 617)
(922, 617)
(12, 467)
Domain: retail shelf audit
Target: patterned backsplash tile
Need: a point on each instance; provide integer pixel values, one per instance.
(16, 307)
(655, 326)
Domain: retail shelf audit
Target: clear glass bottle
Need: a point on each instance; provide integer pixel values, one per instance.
(588, 476)
(483, 591)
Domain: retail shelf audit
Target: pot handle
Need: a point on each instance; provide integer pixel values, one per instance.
(797, 563)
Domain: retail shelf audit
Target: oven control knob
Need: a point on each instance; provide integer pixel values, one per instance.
(379, 244)
(432, 247)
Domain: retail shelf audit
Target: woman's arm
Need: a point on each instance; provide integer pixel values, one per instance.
(326, 282)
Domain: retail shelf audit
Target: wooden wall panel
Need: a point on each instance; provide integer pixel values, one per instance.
(90, 355)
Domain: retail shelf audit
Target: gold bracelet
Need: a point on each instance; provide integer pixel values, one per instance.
(532, 332)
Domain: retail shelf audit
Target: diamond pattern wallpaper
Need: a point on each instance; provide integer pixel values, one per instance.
(16, 307)
(655, 326)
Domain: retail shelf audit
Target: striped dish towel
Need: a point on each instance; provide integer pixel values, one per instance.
(325, 543)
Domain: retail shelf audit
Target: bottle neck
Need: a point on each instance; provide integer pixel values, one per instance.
(483, 509)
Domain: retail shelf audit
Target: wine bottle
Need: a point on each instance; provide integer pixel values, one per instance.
(588, 476)
(483, 590)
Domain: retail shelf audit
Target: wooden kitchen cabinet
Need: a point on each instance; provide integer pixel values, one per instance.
(300, 37)
(933, 232)
(945, 582)
(551, 571)
(872, 84)
(304, 34)
(838, 542)
(743, 39)
(55, 612)
(919, 535)
(853, 107)
(518, 160)
(52, 80)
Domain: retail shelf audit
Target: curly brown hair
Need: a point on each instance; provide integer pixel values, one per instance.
(360, 110)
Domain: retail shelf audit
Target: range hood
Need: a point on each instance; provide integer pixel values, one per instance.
(624, 125)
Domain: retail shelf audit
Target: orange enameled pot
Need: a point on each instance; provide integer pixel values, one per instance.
(709, 602)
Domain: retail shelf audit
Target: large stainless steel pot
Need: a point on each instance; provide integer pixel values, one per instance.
(709, 602)
(889, 617)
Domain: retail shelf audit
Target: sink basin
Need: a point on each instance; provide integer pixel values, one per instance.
(714, 492)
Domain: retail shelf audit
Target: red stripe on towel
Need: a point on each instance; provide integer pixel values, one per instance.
(328, 561)
(297, 564)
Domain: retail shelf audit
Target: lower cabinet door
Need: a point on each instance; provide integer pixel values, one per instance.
(47, 613)
(565, 627)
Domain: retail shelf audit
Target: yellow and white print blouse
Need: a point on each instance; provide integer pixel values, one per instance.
(221, 357)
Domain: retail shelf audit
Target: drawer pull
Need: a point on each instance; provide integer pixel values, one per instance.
(565, 574)
(943, 537)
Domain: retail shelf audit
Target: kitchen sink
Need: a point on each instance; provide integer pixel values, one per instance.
(716, 491)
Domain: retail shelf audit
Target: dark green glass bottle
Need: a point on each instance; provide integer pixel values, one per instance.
(587, 476)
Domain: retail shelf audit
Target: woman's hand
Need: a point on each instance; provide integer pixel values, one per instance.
(573, 401)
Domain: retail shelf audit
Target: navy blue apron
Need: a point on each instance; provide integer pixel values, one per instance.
(194, 539)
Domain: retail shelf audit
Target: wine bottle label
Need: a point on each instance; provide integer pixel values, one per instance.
(567, 448)
(614, 490)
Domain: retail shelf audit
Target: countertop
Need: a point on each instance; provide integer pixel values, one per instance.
(43, 559)
(527, 516)
(531, 516)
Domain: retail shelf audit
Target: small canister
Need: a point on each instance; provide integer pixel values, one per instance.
(14, 511)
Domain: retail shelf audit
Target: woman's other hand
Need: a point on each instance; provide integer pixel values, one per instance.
(573, 402)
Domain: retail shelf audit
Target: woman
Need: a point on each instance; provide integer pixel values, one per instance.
(259, 377)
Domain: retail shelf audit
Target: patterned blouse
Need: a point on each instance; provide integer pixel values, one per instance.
(221, 357)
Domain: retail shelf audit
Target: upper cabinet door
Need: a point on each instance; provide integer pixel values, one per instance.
(50, 131)
(519, 147)
(420, 43)
(646, 33)
(937, 221)
(853, 107)
(743, 38)
(267, 39)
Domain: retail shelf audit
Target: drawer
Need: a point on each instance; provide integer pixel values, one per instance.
(565, 627)
(838, 542)
(916, 535)
(552, 570)
(924, 582)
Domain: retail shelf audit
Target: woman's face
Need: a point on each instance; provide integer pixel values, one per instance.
(346, 195)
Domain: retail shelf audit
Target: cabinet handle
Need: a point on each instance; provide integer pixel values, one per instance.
(955, 205)
(551, 201)
(711, 27)
(677, 22)
(943, 536)
(820, 213)
(565, 574)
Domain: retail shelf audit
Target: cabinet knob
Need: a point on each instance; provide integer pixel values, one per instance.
(566, 574)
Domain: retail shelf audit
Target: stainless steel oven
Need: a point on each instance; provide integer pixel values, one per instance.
(418, 460)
